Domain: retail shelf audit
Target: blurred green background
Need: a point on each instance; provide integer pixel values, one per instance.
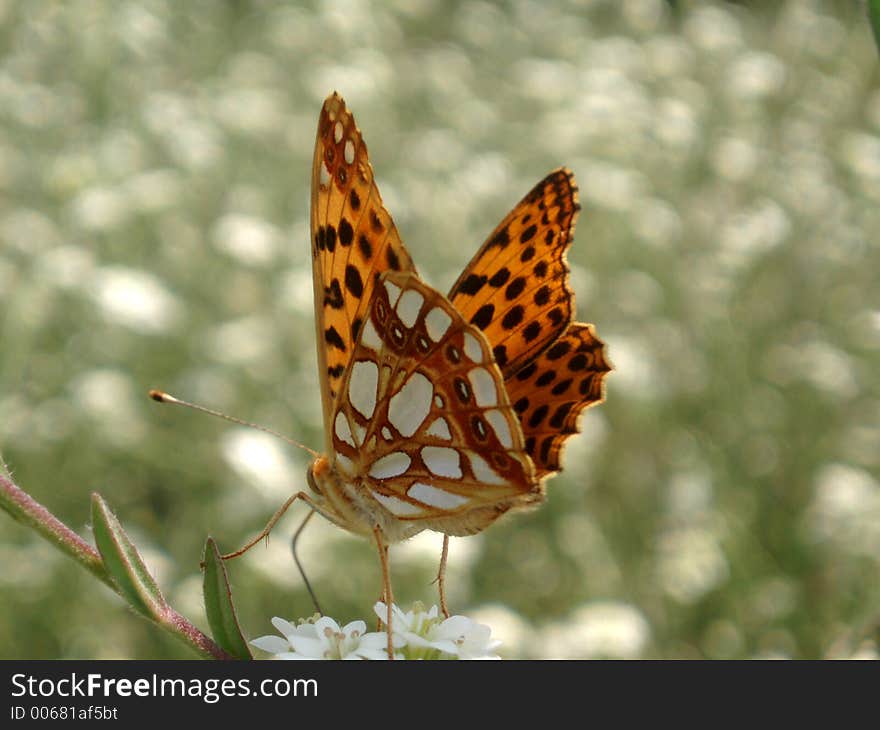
(154, 172)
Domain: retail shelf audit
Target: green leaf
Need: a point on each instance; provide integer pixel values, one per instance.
(124, 563)
(874, 18)
(219, 607)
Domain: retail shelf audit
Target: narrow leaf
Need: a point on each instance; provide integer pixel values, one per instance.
(124, 564)
(219, 606)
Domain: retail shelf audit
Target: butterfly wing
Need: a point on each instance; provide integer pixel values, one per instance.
(426, 424)
(516, 290)
(550, 393)
(354, 241)
(516, 286)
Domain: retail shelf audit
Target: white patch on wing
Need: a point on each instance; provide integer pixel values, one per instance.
(484, 473)
(369, 336)
(433, 497)
(437, 323)
(386, 433)
(343, 430)
(393, 293)
(362, 387)
(472, 347)
(484, 387)
(396, 506)
(337, 132)
(325, 174)
(442, 461)
(440, 429)
(349, 151)
(502, 428)
(409, 306)
(409, 408)
(392, 465)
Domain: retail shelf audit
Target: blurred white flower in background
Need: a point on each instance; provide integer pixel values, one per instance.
(596, 630)
(135, 299)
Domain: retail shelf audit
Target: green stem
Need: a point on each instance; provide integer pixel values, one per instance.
(25, 509)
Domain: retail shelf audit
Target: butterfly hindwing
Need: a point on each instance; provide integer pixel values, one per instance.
(427, 422)
(550, 393)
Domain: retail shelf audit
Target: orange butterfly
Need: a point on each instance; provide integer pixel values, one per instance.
(440, 413)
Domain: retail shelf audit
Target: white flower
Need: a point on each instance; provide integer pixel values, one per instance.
(423, 634)
(324, 639)
(417, 634)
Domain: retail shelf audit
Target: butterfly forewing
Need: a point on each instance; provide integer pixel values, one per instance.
(354, 241)
(516, 287)
(426, 423)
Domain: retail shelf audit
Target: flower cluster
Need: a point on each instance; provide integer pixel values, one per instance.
(417, 634)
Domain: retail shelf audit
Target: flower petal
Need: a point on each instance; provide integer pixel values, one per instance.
(285, 627)
(355, 626)
(310, 647)
(324, 623)
(272, 644)
(375, 640)
(454, 627)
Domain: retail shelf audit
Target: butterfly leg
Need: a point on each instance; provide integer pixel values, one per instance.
(441, 577)
(271, 523)
(387, 596)
(299, 567)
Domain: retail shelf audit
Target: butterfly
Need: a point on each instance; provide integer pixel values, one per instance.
(440, 412)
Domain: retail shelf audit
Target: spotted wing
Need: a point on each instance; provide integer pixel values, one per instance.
(425, 425)
(354, 241)
(550, 393)
(516, 289)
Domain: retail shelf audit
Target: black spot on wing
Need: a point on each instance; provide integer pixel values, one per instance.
(500, 277)
(538, 415)
(353, 281)
(333, 295)
(515, 288)
(332, 337)
(528, 234)
(365, 246)
(532, 330)
(483, 316)
(513, 317)
(471, 285)
(346, 233)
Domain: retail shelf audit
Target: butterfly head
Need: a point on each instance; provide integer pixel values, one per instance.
(316, 473)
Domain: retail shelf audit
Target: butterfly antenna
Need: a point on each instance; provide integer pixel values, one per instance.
(163, 397)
